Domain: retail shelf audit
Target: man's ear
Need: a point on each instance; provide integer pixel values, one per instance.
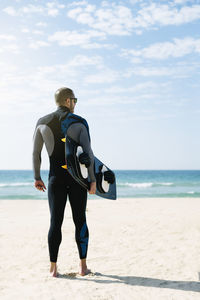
(67, 101)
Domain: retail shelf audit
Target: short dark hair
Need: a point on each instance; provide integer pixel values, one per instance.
(62, 94)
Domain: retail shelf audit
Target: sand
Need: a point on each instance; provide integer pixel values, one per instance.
(138, 249)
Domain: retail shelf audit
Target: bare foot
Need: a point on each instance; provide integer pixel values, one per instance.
(84, 271)
(53, 270)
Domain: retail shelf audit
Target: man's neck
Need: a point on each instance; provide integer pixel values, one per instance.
(64, 107)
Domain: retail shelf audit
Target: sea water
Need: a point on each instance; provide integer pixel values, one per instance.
(19, 184)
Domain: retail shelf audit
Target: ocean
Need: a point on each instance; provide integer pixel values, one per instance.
(19, 184)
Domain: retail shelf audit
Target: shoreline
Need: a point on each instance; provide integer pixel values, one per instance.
(104, 199)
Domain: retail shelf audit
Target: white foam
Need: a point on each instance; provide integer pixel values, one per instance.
(16, 184)
(147, 184)
(140, 185)
(190, 192)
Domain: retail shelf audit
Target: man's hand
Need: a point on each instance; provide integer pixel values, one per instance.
(39, 184)
(92, 188)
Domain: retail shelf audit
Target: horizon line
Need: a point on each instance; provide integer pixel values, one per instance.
(113, 170)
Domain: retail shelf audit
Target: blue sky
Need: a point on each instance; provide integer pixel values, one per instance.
(133, 65)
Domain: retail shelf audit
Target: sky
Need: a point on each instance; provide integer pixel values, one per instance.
(134, 66)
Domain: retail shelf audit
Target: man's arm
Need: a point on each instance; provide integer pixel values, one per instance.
(79, 134)
(37, 148)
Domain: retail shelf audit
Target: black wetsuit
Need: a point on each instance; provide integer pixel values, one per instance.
(60, 183)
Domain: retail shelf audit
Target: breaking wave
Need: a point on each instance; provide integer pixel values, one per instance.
(2, 185)
(144, 185)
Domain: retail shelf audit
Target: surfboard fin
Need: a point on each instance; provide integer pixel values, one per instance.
(63, 140)
(64, 167)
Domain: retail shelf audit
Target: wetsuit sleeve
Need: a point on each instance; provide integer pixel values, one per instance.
(79, 134)
(37, 148)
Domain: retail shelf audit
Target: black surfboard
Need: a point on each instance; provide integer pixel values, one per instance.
(80, 173)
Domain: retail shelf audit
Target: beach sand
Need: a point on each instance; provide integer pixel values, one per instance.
(138, 249)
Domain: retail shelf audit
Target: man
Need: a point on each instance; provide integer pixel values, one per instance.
(49, 130)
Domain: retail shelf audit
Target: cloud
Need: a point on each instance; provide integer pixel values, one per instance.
(10, 11)
(8, 44)
(7, 37)
(25, 30)
(182, 1)
(30, 9)
(141, 92)
(166, 14)
(6, 71)
(13, 48)
(133, 2)
(82, 60)
(114, 19)
(165, 50)
(78, 3)
(105, 76)
(45, 78)
(51, 9)
(143, 86)
(82, 39)
(41, 82)
(113, 99)
(91, 70)
(38, 32)
(73, 66)
(176, 69)
(38, 44)
(41, 24)
(152, 71)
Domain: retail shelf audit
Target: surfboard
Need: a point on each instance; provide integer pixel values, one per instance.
(79, 171)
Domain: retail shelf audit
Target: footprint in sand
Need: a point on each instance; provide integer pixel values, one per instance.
(73, 275)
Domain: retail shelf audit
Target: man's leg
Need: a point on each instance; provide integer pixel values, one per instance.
(57, 197)
(78, 202)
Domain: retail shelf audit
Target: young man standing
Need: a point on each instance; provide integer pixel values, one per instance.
(50, 130)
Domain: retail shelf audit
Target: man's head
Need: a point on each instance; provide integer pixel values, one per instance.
(65, 97)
